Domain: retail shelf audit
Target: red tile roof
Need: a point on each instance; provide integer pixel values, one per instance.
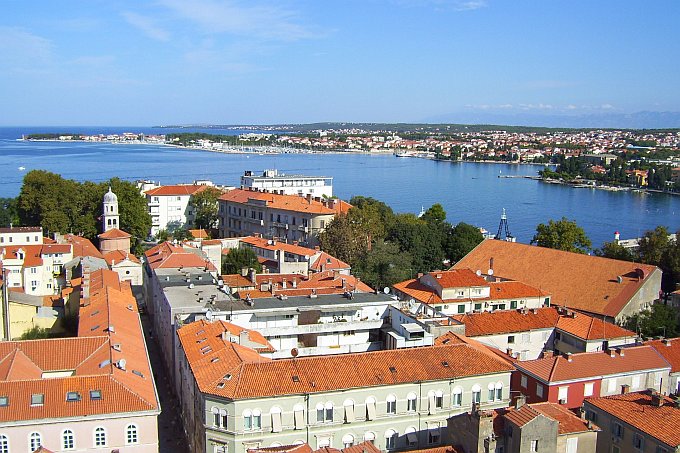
(268, 244)
(293, 203)
(328, 262)
(199, 234)
(166, 255)
(114, 233)
(568, 422)
(82, 247)
(458, 278)
(657, 422)
(241, 373)
(590, 328)
(328, 282)
(583, 282)
(176, 190)
(670, 350)
(507, 321)
(116, 256)
(587, 365)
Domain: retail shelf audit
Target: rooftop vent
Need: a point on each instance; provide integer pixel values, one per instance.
(138, 373)
(296, 379)
(393, 369)
(445, 364)
(116, 347)
(121, 364)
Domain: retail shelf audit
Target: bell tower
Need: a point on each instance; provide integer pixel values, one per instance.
(110, 218)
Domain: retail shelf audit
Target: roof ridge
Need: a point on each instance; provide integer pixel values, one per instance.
(141, 398)
(553, 370)
(106, 343)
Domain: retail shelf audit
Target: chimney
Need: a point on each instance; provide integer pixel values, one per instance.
(344, 282)
(243, 337)
(612, 353)
(509, 351)
(620, 351)
(625, 388)
(253, 275)
(294, 282)
(657, 399)
(520, 401)
(667, 342)
(491, 263)
(568, 356)
(284, 283)
(309, 198)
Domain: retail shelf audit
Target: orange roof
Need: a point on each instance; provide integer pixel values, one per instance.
(114, 233)
(236, 372)
(507, 321)
(328, 282)
(56, 248)
(268, 244)
(328, 262)
(458, 278)
(590, 365)
(583, 282)
(590, 328)
(177, 190)
(293, 203)
(116, 256)
(166, 255)
(199, 234)
(656, 422)
(568, 422)
(82, 247)
(670, 350)
(237, 281)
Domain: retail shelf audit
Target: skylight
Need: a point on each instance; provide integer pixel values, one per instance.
(95, 395)
(37, 399)
(72, 396)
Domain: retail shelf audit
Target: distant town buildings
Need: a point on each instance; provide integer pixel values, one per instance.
(275, 182)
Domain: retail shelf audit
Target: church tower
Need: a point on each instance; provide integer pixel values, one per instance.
(110, 218)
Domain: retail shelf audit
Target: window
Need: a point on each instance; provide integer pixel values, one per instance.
(276, 420)
(4, 444)
(391, 404)
(37, 399)
(499, 391)
(257, 419)
(523, 381)
(349, 411)
(511, 339)
(369, 436)
(95, 395)
(247, 420)
(411, 436)
(457, 397)
(534, 445)
(611, 385)
(347, 439)
(131, 436)
(588, 389)
(411, 402)
(390, 438)
(476, 394)
(615, 449)
(370, 408)
(492, 391)
(478, 306)
(100, 437)
(298, 416)
(618, 430)
(635, 384)
(35, 441)
(592, 416)
(513, 304)
(562, 394)
(329, 411)
(433, 434)
(72, 396)
(539, 390)
(461, 308)
(638, 442)
(439, 399)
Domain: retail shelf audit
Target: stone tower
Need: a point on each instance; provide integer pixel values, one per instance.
(110, 218)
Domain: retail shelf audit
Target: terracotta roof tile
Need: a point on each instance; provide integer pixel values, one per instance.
(82, 247)
(583, 282)
(569, 422)
(116, 256)
(241, 373)
(166, 255)
(507, 321)
(670, 350)
(328, 262)
(637, 410)
(593, 364)
(458, 278)
(590, 328)
(114, 233)
(293, 203)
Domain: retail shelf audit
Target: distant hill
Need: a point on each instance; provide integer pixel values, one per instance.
(638, 120)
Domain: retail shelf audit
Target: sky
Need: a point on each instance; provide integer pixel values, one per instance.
(163, 62)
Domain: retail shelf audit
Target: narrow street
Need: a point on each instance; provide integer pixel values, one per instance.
(171, 437)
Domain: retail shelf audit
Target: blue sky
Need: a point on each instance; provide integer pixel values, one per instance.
(142, 62)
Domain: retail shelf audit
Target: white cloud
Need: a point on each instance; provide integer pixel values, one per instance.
(264, 22)
(24, 52)
(455, 5)
(147, 26)
(469, 5)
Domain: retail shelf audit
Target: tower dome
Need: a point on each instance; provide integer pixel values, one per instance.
(110, 197)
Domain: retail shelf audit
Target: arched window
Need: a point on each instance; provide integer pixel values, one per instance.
(35, 441)
(439, 399)
(4, 444)
(499, 391)
(370, 408)
(100, 437)
(299, 416)
(369, 436)
(411, 436)
(319, 412)
(275, 412)
(391, 404)
(347, 441)
(68, 440)
(247, 419)
(223, 418)
(131, 434)
(276, 444)
(492, 391)
(391, 438)
(216, 416)
(476, 394)
(457, 397)
(411, 402)
(257, 419)
(329, 411)
(349, 411)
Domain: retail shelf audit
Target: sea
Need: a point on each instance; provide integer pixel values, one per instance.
(469, 192)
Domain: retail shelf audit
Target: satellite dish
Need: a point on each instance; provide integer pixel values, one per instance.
(386, 290)
(294, 352)
(479, 273)
(489, 272)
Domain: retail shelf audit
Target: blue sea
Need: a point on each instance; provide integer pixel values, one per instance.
(469, 192)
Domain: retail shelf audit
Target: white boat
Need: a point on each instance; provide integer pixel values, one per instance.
(405, 154)
(22, 168)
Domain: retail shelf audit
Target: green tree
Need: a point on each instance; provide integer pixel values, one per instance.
(8, 212)
(373, 216)
(384, 265)
(237, 259)
(423, 241)
(182, 235)
(162, 235)
(435, 214)
(462, 240)
(36, 333)
(653, 245)
(205, 208)
(661, 319)
(132, 207)
(563, 234)
(345, 239)
(615, 251)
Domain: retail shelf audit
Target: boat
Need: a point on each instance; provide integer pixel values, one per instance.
(405, 154)
(22, 168)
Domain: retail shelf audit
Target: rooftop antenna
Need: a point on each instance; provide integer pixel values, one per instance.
(503, 229)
